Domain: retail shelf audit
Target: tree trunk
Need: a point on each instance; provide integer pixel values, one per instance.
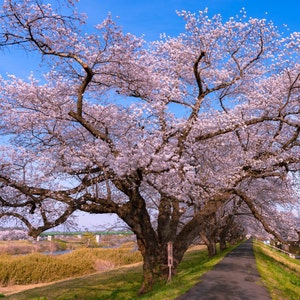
(223, 234)
(210, 243)
(223, 244)
(152, 246)
(155, 266)
(153, 243)
(212, 248)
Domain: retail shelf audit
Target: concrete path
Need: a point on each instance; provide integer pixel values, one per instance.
(234, 278)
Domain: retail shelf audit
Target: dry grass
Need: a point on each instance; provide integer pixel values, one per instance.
(40, 268)
(17, 247)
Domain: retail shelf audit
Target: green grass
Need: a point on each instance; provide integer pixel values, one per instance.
(280, 273)
(124, 283)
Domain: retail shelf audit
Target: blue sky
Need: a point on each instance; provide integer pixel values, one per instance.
(151, 18)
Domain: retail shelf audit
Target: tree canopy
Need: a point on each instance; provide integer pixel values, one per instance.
(183, 137)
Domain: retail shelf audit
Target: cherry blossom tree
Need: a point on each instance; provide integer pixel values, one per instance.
(166, 135)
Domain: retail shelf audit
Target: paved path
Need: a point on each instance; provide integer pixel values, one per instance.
(234, 278)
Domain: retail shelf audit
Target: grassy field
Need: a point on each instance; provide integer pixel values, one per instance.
(124, 283)
(279, 272)
(40, 268)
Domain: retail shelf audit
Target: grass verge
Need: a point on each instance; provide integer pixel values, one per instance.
(124, 283)
(280, 273)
